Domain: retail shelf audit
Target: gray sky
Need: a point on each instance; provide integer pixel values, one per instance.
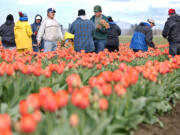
(132, 11)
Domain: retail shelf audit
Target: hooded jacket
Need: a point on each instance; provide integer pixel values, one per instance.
(23, 33)
(142, 37)
(113, 35)
(35, 28)
(172, 29)
(7, 34)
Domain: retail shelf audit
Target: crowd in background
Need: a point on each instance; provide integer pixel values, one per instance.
(91, 35)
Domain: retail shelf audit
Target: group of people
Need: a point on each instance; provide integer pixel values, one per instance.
(96, 34)
(39, 36)
(91, 35)
(143, 35)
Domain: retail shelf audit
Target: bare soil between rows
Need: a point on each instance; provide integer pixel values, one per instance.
(171, 123)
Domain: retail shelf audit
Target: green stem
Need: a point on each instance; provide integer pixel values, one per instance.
(49, 123)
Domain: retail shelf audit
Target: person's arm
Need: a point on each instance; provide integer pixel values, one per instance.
(118, 30)
(72, 29)
(165, 30)
(0, 35)
(60, 33)
(102, 30)
(149, 38)
(41, 32)
(1, 30)
(93, 28)
(34, 33)
(168, 25)
(29, 30)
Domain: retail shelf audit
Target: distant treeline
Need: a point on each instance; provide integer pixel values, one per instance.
(130, 31)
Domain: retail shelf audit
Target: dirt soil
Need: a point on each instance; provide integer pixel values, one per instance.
(171, 123)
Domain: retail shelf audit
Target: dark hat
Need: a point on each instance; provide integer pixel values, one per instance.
(81, 12)
(97, 8)
(51, 10)
(171, 11)
(110, 19)
(10, 18)
(22, 14)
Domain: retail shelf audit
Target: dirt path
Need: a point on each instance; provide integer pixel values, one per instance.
(171, 123)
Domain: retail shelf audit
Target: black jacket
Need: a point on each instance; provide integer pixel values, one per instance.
(7, 34)
(172, 29)
(113, 35)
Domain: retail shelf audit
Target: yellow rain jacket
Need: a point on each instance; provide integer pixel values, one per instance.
(23, 33)
(68, 35)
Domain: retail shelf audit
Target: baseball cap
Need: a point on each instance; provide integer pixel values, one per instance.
(97, 8)
(51, 10)
(38, 18)
(151, 21)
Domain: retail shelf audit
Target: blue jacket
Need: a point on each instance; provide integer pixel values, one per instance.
(142, 37)
(35, 27)
(83, 31)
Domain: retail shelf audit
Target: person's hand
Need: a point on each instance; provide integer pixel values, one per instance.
(39, 43)
(152, 45)
(59, 43)
(35, 33)
(155, 47)
(99, 26)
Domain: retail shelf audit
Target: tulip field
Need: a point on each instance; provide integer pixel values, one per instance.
(69, 93)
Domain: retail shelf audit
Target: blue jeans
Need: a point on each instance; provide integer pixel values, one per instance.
(36, 48)
(50, 46)
(99, 45)
(7, 46)
(10, 48)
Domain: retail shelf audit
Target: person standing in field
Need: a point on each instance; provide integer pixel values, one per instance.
(113, 36)
(171, 31)
(35, 28)
(101, 24)
(83, 30)
(143, 36)
(50, 31)
(23, 33)
(7, 33)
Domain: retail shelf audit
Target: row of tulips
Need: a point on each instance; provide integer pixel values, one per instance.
(108, 105)
(28, 72)
(66, 59)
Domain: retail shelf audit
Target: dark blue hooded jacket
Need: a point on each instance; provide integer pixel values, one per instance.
(142, 37)
(35, 27)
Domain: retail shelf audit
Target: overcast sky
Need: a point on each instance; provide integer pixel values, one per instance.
(132, 11)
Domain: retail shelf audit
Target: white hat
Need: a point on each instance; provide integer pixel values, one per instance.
(151, 21)
(38, 18)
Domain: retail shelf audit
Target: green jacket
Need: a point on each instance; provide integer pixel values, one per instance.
(100, 33)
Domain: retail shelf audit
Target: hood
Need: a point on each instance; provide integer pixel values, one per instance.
(144, 24)
(20, 24)
(82, 17)
(175, 17)
(112, 23)
(36, 16)
(23, 19)
(9, 22)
